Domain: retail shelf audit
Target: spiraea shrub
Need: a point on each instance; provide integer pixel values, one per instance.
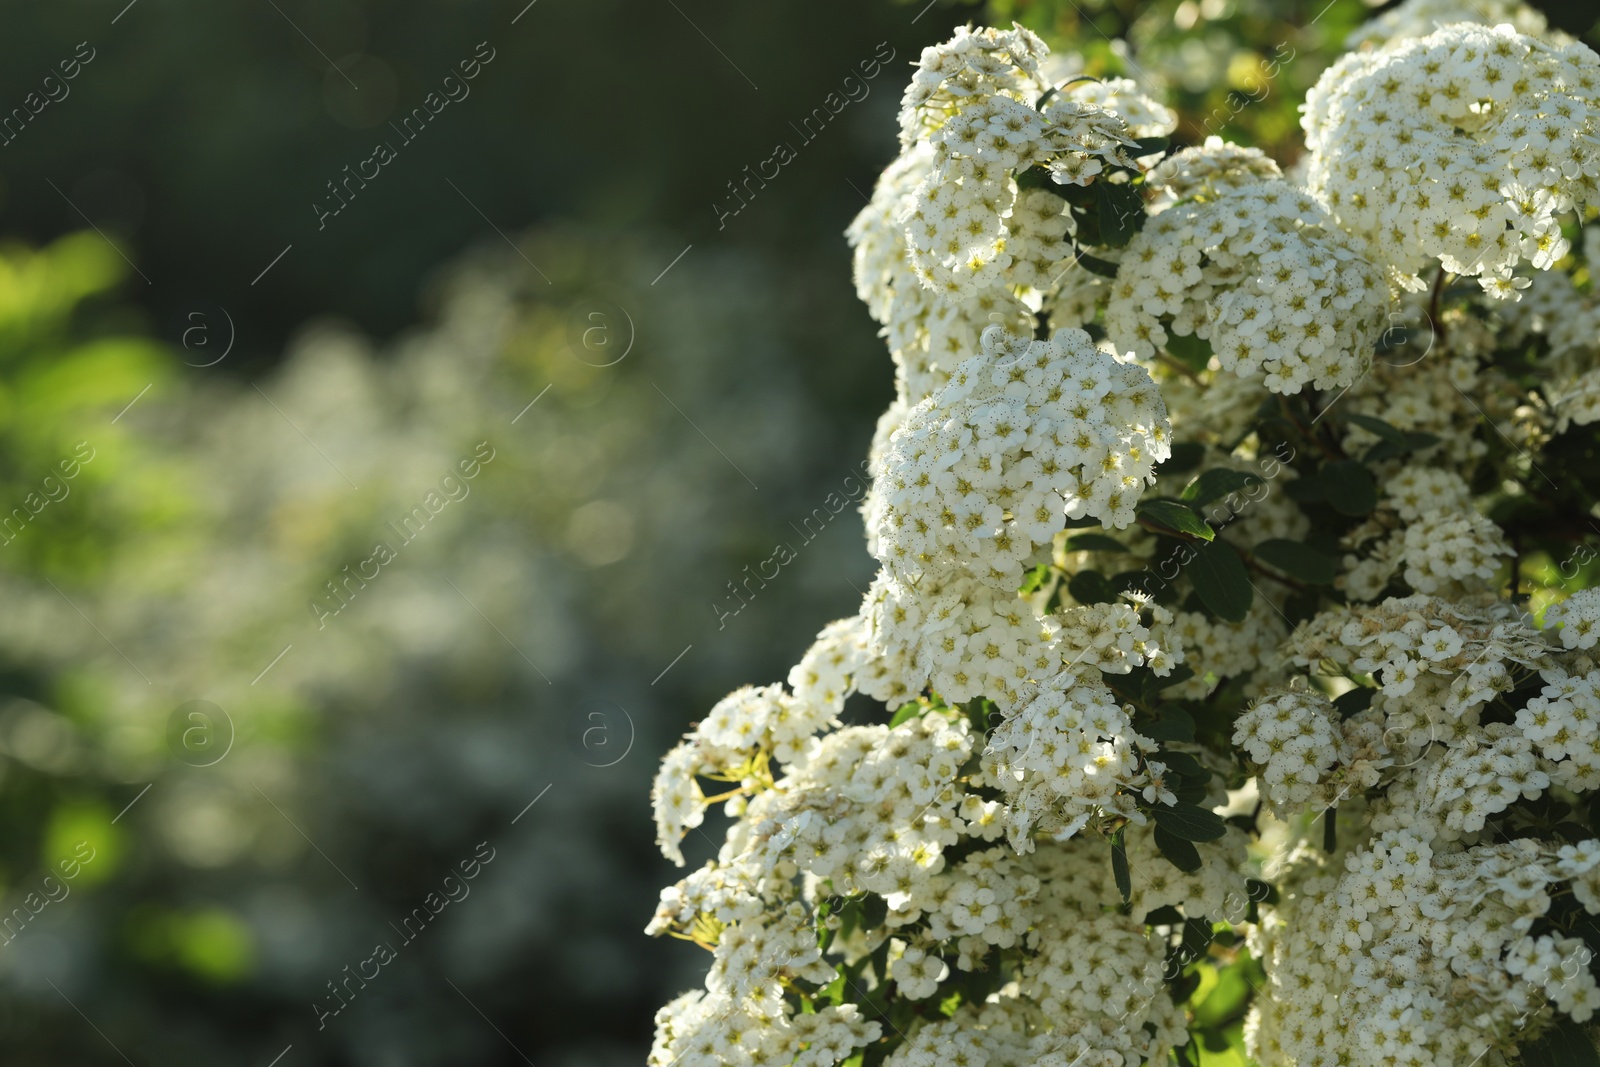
(1232, 657)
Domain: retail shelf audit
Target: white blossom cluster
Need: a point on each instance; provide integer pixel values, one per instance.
(1578, 618)
(1248, 648)
(1412, 954)
(1022, 437)
(972, 66)
(1259, 270)
(736, 739)
(1446, 544)
(1562, 724)
(951, 242)
(1462, 147)
(1217, 622)
(927, 332)
(1067, 755)
(1554, 309)
(1430, 915)
(1305, 757)
(1440, 658)
(964, 638)
(957, 227)
(1209, 170)
(1418, 18)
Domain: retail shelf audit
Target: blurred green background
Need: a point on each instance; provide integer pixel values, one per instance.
(277, 741)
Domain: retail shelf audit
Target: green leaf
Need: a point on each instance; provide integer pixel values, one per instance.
(1090, 587)
(1172, 724)
(1353, 702)
(1226, 1001)
(1091, 542)
(1179, 852)
(1183, 764)
(1417, 441)
(1167, 730)
(1565, 1044)
(1303, 490)
(1192, 351)
(1175, 516)
(1217, 482)
(1176, 676)
(1297, 560)
(1196, 937)
(1349, 487)
(1130, 581)
(1119, 865)
(1121, 212)
(1221, 581)
(1095, 265)
(1393, 440)
(907, 712)
(982, 713)
(1261, 892)
(1036, 178)
(1034, 579)
(1379, 427)
(1151, 145)
(1191, 822)
(1185, 457)
(1166, 915)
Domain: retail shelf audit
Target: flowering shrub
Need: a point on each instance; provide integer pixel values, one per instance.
(1228, 678)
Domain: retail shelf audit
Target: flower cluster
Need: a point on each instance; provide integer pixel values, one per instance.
(968, 227)
(965, 639)
(974, 65)
(1418, 955)
(1446, 545)
(1205, 172)
(1462, 147)
(957, 227)
(1418, 18)
(1578, 618)
(1221, 630)
(1069, 754)
(927, 333)
(1562, 723)
(1258, 269)
(1304, 756)
(1022, 437)
(751, 726)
